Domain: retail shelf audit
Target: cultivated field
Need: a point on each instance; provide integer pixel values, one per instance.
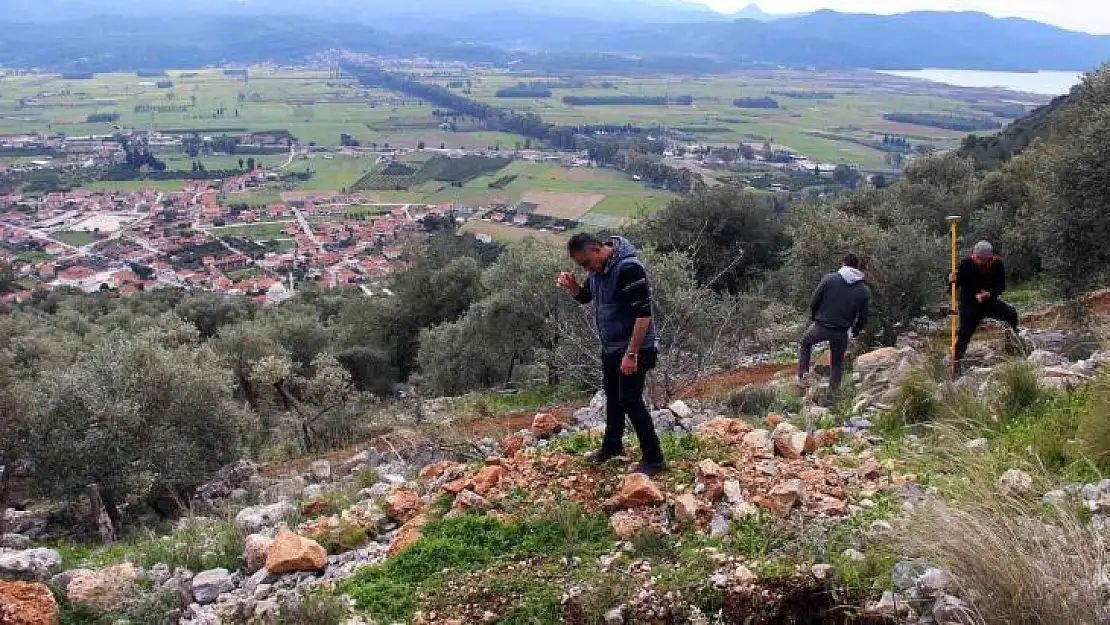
(829, 129)
(561, 205)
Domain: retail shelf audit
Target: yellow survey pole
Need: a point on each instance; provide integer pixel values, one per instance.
(953, 221)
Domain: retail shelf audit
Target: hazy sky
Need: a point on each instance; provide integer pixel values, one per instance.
(1086, 15)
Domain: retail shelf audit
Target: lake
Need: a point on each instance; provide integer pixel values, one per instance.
(1044, 83)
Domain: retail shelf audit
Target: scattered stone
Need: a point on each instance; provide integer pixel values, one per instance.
(1055, 498)
(886, 607)
(407, 535)
(321, 470)
(870, 469)
(626, 524)
(255, 549)
(686, 508)
(718, 526)
(681, 410)
(14, 541)
(742, 576)
(758, 442)
(854, 555)
(828, 505)
(1046, 358)
(791, 442)
(904, 574)
(437, 470)
(949, 610)
(978, 444)
(314, 508)
(881, 527)
(512, 444)
(933, 582)
(24, 603)
(104, 589)
(1015, 483)
(733, 492)
(544, 425)
(258, 518)
(488, 478)
(783, 497)
(774, 419)
(394, 479)
(724, 430)
(830, 437)
(291, 553)
(402, 505)
(208, 585)
(615, 616)
(286, 490)
(32, 565)
(469, 500)
(823, 571)
(638, 490)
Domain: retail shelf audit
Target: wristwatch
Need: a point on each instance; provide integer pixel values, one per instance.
(632, 355)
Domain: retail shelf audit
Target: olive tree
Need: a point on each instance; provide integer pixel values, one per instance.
(133, 412)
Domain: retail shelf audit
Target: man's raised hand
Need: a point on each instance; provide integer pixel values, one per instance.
(568, 283)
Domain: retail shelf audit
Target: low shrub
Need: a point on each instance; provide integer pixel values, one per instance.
(752, 400)
(916, 400)
(1016, 387)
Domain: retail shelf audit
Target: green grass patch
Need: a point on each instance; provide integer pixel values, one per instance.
(74, 237)
(470, 542)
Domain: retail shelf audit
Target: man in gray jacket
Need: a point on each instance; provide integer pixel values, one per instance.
(838, 309)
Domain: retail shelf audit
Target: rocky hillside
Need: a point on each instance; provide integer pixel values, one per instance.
(776, 509)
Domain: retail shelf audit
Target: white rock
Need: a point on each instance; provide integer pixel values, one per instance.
(681, 410)
(394, 480)
(854, 555)
(615, 616)
(30, 564)
(1015, 483)
(823, 571)
(321, 470)
(733, 492)
(257, 518)
(208, 585)
(979, 444)
(933, 582)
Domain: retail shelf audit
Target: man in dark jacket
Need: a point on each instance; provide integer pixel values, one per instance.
(838, 307)
(618, 287)
(980, 279)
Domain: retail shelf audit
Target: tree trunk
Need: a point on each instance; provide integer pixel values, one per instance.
(104, 513)
(5, 484)
(249, 391)
(512, 366)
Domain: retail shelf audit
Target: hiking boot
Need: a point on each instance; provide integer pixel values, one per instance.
(601, 456)
(650, 468)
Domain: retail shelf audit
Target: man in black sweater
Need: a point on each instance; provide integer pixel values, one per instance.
(838, 307)
(980, 280)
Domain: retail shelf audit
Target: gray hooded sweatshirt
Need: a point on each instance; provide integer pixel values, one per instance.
(841, 300)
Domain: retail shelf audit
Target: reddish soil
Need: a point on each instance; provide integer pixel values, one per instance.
(730, 380)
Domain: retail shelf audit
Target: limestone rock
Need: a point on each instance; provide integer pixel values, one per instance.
(710, 478)
(402, 505)
(437, 470)
(488, 478)
(321, 470)
(758, 442)
(1015, 483)
(255, 549)
(829, 506)
(949, 610)
(791, 442)
(24, 603)
(822, 571)
(626, 524)
(208, 585)
(733, 493)
(638, 490)
(36, 564)
(869, 470)
(258, 518)
(104, 589)
(291, 553)
(680, 409)
(725, 430)
(544, 425)
(407, 535)
(686, 508)
(14, 541)
(783, 497)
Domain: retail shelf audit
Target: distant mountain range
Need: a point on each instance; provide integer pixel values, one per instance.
(618, 35)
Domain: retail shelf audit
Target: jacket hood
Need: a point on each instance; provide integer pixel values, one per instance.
(622, 249)
(851, 275)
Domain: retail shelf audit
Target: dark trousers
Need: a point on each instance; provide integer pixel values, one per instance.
(838, 345)
(971, 315)
(624, 396)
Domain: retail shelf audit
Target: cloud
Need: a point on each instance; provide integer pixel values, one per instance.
(1085, 15)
